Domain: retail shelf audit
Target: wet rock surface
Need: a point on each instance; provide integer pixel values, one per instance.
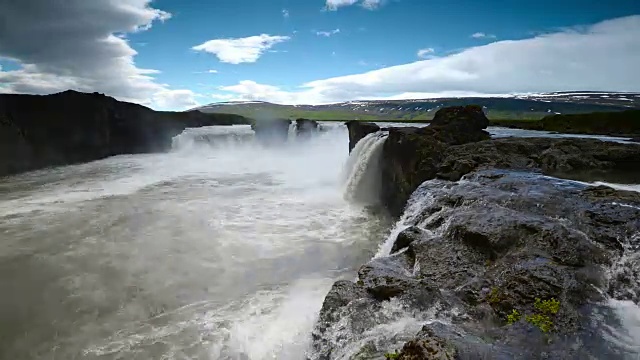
(413, 155)
(594, 158)
(72, 127)
(358, 130)
(306, 127)
(513, 263)
(449, 149)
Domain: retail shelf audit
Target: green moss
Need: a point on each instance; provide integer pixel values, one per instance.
(541, 321)
(494, 297)
(547, 306)
(394, 355)
(514, 317)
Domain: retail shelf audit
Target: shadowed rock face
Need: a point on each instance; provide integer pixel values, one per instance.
(412, 155)
(358, 130)
(306, 127)
(72, 127)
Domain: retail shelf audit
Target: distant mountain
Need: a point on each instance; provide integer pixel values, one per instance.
(531, 106)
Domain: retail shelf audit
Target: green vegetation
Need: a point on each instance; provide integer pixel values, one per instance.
(514, 317)
(494, 296)
(542, 318)
(542, 322)
(394, 355)
(547, 306)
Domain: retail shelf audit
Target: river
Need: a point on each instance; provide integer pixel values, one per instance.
(221, 248)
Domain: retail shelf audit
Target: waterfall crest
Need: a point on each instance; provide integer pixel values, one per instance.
(361, 173)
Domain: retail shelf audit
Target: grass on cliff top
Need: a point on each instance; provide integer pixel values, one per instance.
(346, 115)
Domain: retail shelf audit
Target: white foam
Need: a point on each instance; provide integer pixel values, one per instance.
(361, 172)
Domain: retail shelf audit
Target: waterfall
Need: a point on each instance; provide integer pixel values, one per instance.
(212, 136)
(361, 174)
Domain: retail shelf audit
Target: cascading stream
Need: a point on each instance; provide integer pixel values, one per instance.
(361, 173)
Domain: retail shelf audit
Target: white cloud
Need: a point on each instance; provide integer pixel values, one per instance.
(424, 53)
(285, 13)
(333, 5)
(241, 50)
(212, 71)
(371, 4)
(481, 35)
(80, 46)
(599, 57)
(328, 33)
(176, 99)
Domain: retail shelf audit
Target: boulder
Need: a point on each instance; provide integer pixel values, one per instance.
(358, 130)
(72, 127)
(468, 118)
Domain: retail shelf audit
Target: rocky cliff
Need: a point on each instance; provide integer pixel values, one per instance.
(507, 264)
(358, 130)
(72, 127)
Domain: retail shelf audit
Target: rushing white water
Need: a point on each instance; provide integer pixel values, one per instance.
(361, 173)
(221, 249)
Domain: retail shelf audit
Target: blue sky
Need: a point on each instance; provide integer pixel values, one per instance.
(181, 53)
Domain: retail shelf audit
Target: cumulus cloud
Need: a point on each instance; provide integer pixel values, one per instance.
(241, 50)
(601, 57)
(333, 5)
(424, 53)
(371, 4)
(176, 99)
(328, 33)
(285, 13)
(481, 35)
(81, 46)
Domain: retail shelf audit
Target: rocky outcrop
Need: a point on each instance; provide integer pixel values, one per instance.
(306, 127)
(518, 255)
(615, 123)
(412, 155)
(358, 130)
(449, 149)
(508, 264)
(72, 127)
(583, 159)
(272, 131)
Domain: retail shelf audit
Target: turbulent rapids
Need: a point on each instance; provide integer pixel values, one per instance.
(220, 249)
(224, 248)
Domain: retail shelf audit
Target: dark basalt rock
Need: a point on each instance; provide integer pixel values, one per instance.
(496, 243)
(466, 118)
(272, 131)
(358, 130)
(490, 251)
(406, 237)
(428, 345)
(306, 127)
(413, 155)
(72, 127)
(590, 158)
